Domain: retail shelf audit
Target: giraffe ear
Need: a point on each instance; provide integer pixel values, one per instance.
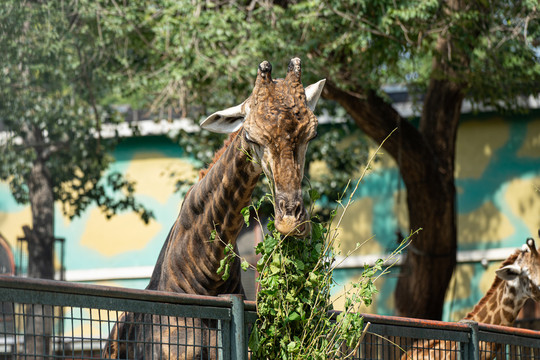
(226, 121)
(313, 92)
(509, 272)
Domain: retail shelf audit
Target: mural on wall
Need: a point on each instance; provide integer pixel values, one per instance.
(498, 181)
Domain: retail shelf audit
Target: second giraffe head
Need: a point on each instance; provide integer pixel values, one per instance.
(276, 123)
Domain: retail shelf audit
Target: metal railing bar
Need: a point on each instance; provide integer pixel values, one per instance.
(472, 346)
(250, 306)
(509, 339)
(250, 317)
(508, 330)
(14, 282)
(225, 339)
(129, 305)
(411, 322)
(419, 333)
(238, 348)
(80, 305)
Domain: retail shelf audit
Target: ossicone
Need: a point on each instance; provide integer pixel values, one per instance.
(532, 246)
(294, 70)
(265, 70)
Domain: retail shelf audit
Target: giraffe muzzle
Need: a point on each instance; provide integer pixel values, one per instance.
(291, 217)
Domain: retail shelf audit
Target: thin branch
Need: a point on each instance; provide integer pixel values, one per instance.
(371, 28)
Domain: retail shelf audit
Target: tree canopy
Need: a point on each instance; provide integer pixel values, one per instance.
(56, 74)
(183, 51)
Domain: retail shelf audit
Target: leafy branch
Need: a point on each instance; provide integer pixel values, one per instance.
(294, 298)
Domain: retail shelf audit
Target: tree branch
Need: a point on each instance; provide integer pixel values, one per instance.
(377, 119)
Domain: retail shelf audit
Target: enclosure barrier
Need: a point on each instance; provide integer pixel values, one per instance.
(43, 319)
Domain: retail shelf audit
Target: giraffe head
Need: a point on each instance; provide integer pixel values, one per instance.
(524, 272)
(278, 123)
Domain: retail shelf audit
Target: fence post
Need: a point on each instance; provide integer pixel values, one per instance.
(473, 352)
(238, 346)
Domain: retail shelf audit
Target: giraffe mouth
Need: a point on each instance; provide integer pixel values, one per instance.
(291, 227)
(291, 214)
(292, 218)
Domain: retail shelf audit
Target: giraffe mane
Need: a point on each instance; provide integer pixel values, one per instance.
(510, 260)
(219, 153)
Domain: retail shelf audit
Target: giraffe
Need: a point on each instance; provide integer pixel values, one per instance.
(517, 280)
(270, 132)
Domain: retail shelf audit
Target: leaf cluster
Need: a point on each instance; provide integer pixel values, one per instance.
(296, 279)
(55, 73)
(294, 298)
(367, 44)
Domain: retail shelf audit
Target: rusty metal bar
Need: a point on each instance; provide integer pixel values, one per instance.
(472, 348)
(14, 282)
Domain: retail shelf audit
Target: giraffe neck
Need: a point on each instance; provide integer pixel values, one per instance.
(189, 261)
(500, 306)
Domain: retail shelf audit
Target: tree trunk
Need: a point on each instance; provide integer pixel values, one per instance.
(428, 177)
(41, 237)
(38, 318)
(426, 159)
(431, 201)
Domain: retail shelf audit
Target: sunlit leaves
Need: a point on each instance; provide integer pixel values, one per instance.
(293, 302)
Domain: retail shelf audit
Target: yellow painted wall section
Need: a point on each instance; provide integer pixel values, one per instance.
(152, 171)
(11, 225)
(484, 224)
(531, 144)
(122, 233)
(460, 288)
(523, 198)
(476, 144)
(489, 276)
(401, 210)
(355, 228)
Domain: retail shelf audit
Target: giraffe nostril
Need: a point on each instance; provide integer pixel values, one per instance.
(293, 208)
(281, 206)
(299, 211)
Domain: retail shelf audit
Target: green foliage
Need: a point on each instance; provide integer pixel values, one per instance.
(196, 57)
(294, 295)
(176, 53)
(293, 302)
(296, 279)
(55, 70)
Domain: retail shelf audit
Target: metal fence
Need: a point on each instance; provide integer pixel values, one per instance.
(404, 338)
(57, 320)
(43, 319)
